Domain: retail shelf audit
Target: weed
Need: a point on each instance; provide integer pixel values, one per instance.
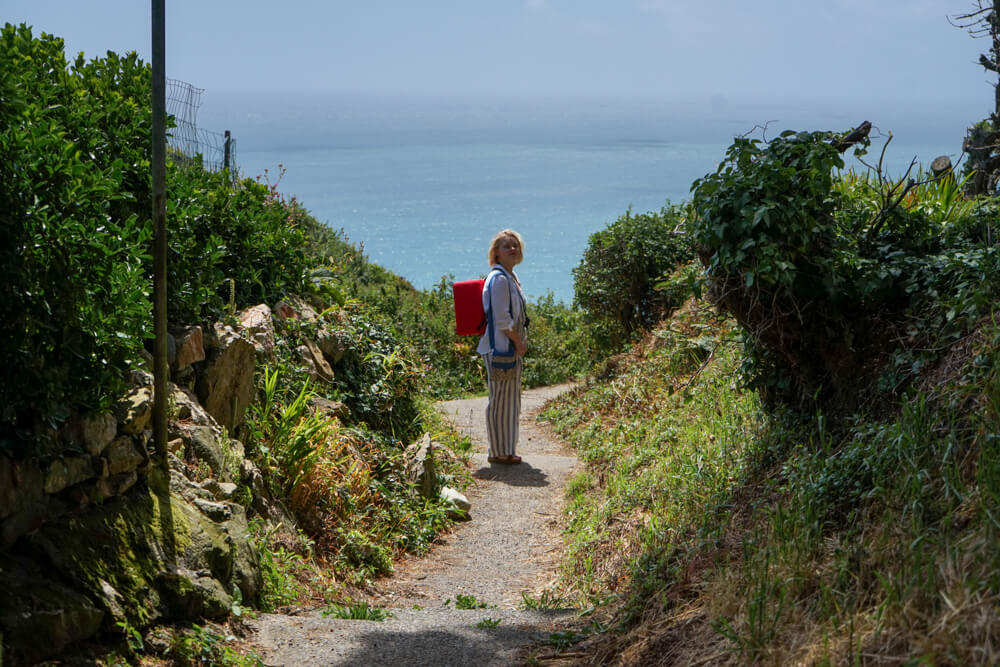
(360, 611)
(133, 638)
(203, 645)
(547, 599)
(470, 602)
(488, 623)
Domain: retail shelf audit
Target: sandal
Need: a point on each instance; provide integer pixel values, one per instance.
(509, 460)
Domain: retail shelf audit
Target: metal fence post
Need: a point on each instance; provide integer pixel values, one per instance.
(160, 370)
(225, 159)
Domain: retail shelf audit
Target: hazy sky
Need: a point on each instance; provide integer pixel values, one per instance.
(707, 50)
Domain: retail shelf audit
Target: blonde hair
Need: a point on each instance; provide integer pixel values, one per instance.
(491, 256)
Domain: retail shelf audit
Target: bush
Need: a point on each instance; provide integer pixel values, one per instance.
(615, 282)
(75, 240)
(72, 151)
(558, 344)
(838, 283)
(237, 242)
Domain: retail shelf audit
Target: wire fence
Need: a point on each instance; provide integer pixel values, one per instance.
(187, 141)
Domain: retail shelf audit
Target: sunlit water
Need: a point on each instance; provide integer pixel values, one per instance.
(424, 184)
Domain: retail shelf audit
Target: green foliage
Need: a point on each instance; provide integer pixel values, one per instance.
(824, 272)
(75, 206)
(360, 611)
(615, 282)
(766, 215)
(224, 236)
(547, 599)
(72, 147)
(463, 601)
(558, 344)
(278, 567)
(379, 374)
(203, 645)
(804, 538)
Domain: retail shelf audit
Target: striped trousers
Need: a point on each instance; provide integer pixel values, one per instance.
(503, 410)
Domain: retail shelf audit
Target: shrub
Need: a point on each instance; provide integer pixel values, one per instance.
(837, 283)
(75, 205)
(615, 282)
(228, 240)
(72, 148)
(558, 344)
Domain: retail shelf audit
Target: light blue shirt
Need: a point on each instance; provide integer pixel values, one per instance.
(507, 311)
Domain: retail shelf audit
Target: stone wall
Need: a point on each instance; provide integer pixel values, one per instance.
(85, 541)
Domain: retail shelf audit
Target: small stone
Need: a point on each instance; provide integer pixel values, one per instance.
(259, 326)
(135, 410)
(190, 347)
(68, 471)
(98, 431)
(331, 408)
(460, 503)
(122, 456)
(214, 511)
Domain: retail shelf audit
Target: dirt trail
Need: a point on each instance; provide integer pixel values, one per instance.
(511, 545)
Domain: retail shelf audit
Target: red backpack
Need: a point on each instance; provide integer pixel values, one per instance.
(470, 318)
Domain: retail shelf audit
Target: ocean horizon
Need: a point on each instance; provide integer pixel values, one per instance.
(422, 183)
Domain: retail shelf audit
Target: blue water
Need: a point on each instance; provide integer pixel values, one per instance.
(424, 183)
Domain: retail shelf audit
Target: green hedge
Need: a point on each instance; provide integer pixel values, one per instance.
(615, 282)
(72, 157)
(75, 231)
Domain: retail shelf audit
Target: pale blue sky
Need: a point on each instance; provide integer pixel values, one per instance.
(699, 50)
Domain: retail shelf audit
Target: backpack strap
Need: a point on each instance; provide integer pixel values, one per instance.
(489, 311)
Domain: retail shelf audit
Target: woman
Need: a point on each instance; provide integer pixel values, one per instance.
(503, 345)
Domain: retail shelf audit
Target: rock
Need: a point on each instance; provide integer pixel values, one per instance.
(171, 349)
(227, 490)
(122, 482)
(23, 503)
(175, 446)
(97, 432)
(190, 347)
(225, 386)
(202, 442)
(68, 471)
(135, 410)
(295, 308)
(142, 378)
(21, 485)
(220, 490)
(418, 458)
(259, 327)
(40, 617)
(460, 505)
(215, 511)
(159, 552)
(313, 357)
(187, 408)
(123, 456)
(188, 595)
(26, 519)
(330, 408)
(331, 346)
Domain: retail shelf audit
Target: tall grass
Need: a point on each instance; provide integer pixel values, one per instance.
(746, 537)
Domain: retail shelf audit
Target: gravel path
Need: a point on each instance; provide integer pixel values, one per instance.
(512, 545)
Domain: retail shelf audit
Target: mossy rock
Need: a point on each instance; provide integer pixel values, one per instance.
(34, 607)
(146, 556)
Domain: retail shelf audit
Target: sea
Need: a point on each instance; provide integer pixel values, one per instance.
(423, 182)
